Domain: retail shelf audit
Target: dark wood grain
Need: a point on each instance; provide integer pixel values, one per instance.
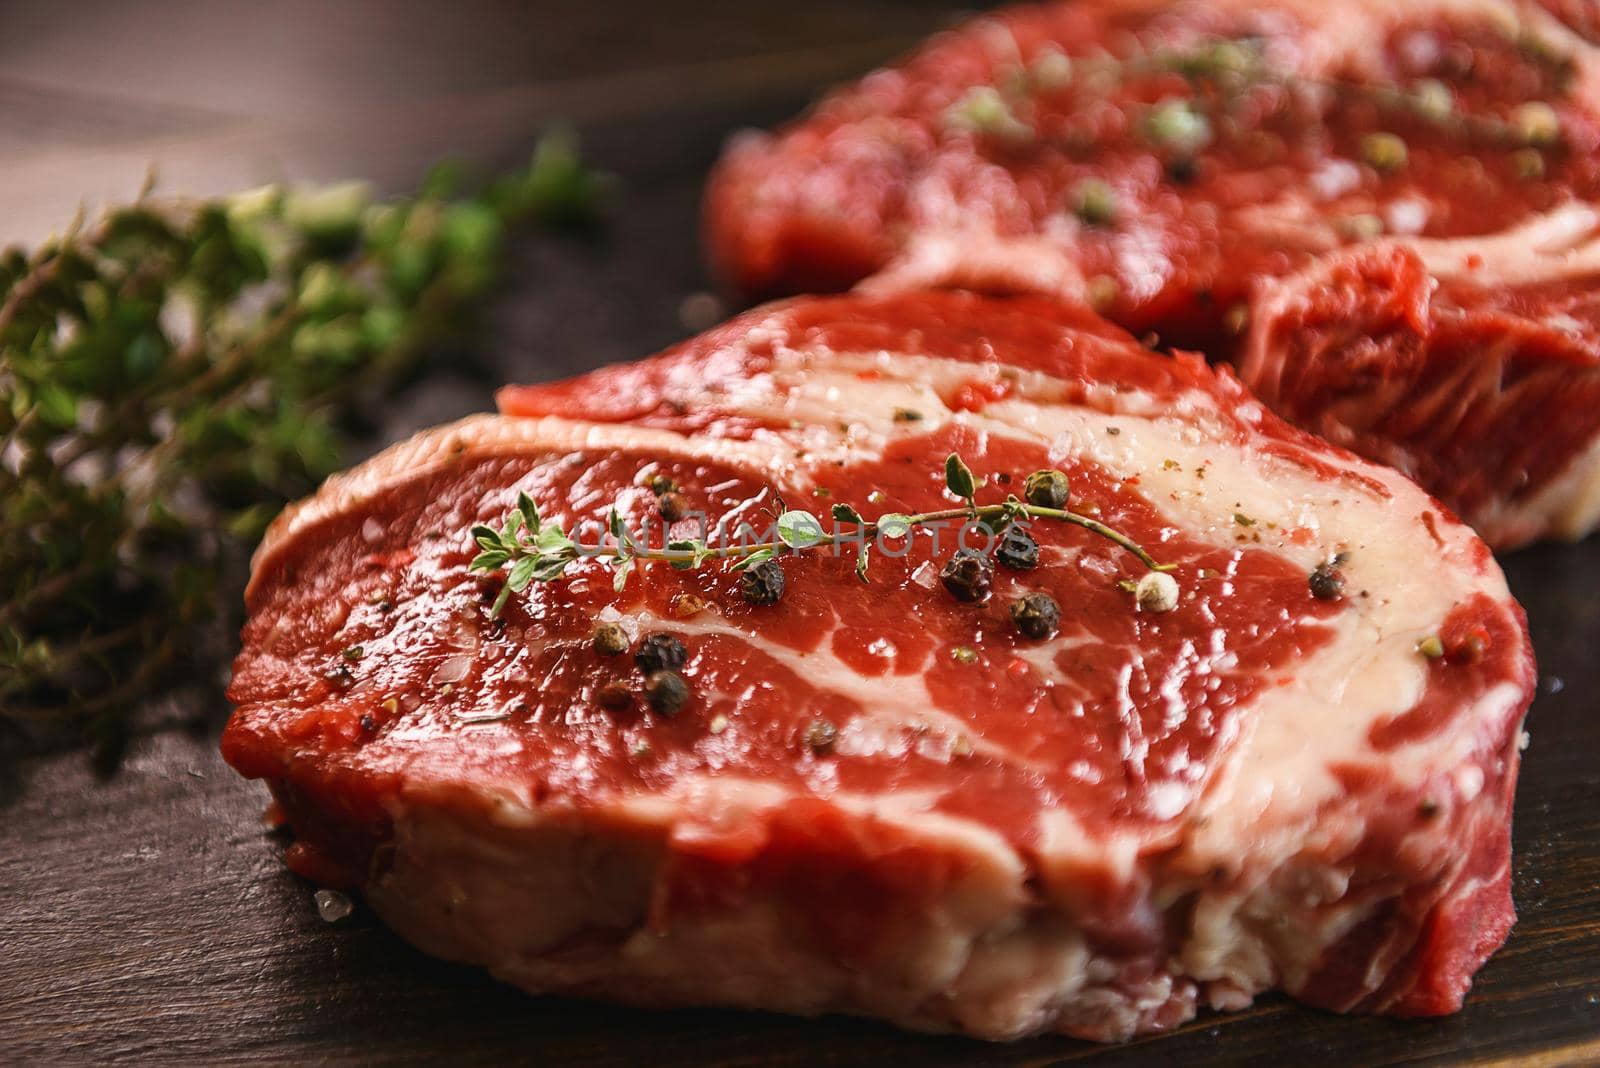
(148, 917)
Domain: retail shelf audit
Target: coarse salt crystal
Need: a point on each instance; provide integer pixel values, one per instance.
(1335, 178)
(1166, 800)
(333, 906)
(1099, 565)
(452, 670)
(1407, 216)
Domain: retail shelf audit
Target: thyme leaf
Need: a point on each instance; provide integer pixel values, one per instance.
(799, 530)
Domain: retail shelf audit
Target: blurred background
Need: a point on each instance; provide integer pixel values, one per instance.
(213, 97)
(223, 95)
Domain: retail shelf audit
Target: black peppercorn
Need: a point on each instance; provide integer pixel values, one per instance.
(1182, 171)
(666, 691)
(1469, 650)
(610, 640)
(614, 695)
(1047, 489)
(1017, 550)
(660, 485)
(660, 652)
(968, 575)
(1036, 615)
(763, 583)
(1327, 582)
(674, 506)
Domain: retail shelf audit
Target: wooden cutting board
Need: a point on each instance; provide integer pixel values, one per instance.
(148, 917)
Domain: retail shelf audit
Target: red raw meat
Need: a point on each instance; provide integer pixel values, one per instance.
(1484, 394)
(879, 799)
(1173, 163)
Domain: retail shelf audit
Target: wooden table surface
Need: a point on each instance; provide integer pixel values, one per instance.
(148, 917)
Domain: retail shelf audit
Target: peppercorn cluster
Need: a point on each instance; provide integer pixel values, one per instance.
(660, 657)
(969, 575)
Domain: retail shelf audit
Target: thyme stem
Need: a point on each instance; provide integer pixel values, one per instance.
(872, 530)
(533, 550)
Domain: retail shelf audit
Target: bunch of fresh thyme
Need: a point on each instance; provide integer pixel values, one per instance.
(174, 372)
(536, 551)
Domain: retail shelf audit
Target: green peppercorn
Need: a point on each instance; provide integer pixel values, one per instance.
(1537, 123)
(984, 110)
(660, 652)
(1528, 164)
(762, 584)
(1227, 58)
(1036, 615)
(1017, 550)
(968, 575)
(1094, 203)
(1175, 124)
(1051, 69)
(1362, 227)
(1327, 582)
(1047, 489)
(1431, 647)
(1102, 291)
(667, 692)
(1384, 152)
(610, 640)
(1235, 320)
(1433, 99)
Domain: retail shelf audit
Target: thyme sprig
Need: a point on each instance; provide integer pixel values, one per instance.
(171, 373)
(533, 550)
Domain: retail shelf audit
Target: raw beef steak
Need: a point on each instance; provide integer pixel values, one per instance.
(1418, 356)
(1170, 162)
(877, 797)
